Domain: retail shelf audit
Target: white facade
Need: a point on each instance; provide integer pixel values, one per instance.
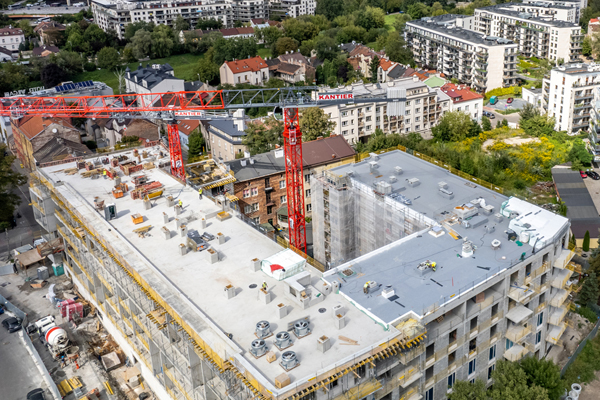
(535, 36)
(568, 95)
(357, 122)
(116, 14)
(293, 8)
(480, 61)
(578, 5)
(532, 96)
(11, 39)
(155, 79)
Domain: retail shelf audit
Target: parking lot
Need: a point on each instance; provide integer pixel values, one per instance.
(502, 104)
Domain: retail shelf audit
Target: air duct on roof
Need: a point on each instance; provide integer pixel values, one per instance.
(258, 348)
(263, 329)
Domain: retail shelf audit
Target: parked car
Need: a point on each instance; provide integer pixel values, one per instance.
(593, 174)
(509, 100)
(493, 100)
(489, 115)
(36, 394)
(11, 324)
(1, 309)
(583, 174)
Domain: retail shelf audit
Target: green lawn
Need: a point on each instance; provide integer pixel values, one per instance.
(389, 22)
(182, 64)
(264, 52)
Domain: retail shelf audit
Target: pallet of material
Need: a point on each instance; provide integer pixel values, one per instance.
(148, 165)
(89, 173)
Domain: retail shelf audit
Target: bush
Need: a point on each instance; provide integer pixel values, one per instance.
(586, 241)
(516, 90)
(587, 313)
(91, 144)
(89, 67)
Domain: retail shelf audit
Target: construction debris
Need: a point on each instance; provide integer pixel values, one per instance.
(348, 341)
(143, 231)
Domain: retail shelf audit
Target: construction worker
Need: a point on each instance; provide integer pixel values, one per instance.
(366, 287)
(433, 264)
(200, 193)
(264, 286)
(104, 173)
(180, 203)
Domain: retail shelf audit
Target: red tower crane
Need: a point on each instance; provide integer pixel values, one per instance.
(168, 105)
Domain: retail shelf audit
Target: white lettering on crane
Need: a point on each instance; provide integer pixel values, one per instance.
(335, 96)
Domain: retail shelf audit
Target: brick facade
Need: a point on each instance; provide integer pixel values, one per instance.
(267, 200)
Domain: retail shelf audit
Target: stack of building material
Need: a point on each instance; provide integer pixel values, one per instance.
(89, 166)
(131, 167)
(80, 165)
(119, 190)
(114, 162)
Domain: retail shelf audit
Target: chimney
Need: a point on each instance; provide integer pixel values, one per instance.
(44, 126)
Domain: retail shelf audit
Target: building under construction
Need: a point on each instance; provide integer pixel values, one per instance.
(209, 308)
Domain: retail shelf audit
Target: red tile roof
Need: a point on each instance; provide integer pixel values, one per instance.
(11, 31)
(253, 64)
(594, 21)
(245, 31)
(460, 93)
(188, 126)
(51, 25)
(386, 64)
(31, 126)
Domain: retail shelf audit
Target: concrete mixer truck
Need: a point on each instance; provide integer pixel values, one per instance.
(53, 336)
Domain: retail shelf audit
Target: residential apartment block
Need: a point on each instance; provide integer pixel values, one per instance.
(291, 8)
(392, 215)
(568, 95)
(423, 108)
(224, 136)
(481, 61)
(578, 5)
(464, 100)
(11, 38)
(158, 78)
(539, 36)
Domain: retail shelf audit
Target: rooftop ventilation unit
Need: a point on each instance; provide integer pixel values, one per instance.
(442, 185)
(414, 182)
(374, 156)
(398, 170)
(488, 209)
(263, 329)
(496, 244)
(388, 292)
(467, 249)
(283, 340)
(445, 193)
(384, 187)
(374, 166)
(258, 348)
(301, 329)
(490, 229)
(392, 179)
(465, 210)
(498, 217)
(289, 360)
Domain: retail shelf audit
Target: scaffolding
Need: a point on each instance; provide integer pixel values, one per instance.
(351, 219)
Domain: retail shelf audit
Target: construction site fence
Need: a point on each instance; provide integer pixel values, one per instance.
(274, 236)
(361, 156)
(37, 359)
(579, 348)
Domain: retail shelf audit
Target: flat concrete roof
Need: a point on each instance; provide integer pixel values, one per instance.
(441, 26)
(395, 265)
(195, 288)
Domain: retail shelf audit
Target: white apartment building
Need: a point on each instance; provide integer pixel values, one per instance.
(537, 36)
(11, 38)
(481, 61)
(578, 5)
(116, 14)
(254, 71)
(464, 100)
(567, 95)
(545, 11)
(423, 108)
(292, 8)
(158, 78)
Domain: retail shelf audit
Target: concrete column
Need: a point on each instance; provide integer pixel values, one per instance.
(155, 361)
(195, 368)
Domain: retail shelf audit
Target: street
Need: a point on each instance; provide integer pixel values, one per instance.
(512, 118)
(27, 228)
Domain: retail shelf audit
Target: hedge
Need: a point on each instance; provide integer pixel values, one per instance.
(503, 91)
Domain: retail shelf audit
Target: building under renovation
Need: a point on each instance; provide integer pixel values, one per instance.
(209, 308)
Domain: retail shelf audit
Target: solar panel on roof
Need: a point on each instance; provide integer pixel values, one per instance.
(59, 89)
(71, 86)
(90, 83)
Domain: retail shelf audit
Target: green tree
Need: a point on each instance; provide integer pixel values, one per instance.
(300, 30)
(453, 127)
(195, 144)
(26, 28)
(396, 50)
(475, 129)
(437, 9)
(131, 29)
(270, 35)
(95, 37)
(109, 58)
(504, 123)
(52, 75)
(264, 137)
(486, 125)
(9, 181)
(400, 21)
(370, 17)
(463, 390)
(510, 382)
(543, 373)
(181, 24)
(70, 61)
(373, 68)
(326, 48)
(585, 246)
(589, 291)
(128, 54)
(206, 69)
(586, 47)
(579, 153)
(418, 10)
(141, 44)
(315, 123)
(209, 23)
(330, 8)
(162, 41)
(283, 45)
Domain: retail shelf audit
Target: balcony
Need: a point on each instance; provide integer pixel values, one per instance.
(553, 335)
(516, 333)
(561, 279)
(519, 314)
(410, 376)
(521, 294)
(515, 353)
(557, 316)
(539, 271)
(559, 298)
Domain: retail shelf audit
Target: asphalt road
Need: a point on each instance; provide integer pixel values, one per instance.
(18, 373)
(26, 227)
(515, 117)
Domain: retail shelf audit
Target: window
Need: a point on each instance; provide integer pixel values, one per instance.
(466, 108)
(307, 192)
(490, 370)
(417, 110)
(308, 207)
(246, 193)
(254, 191)
(281, 184)
(332, 384)
(509, 344)
(492, 352)
(255, 207)
(538, 337)
(344, 113)
(361, 371)
(540, 319)
(472, 364)
(283, 199)
(417, 119)
(368, 127)
(344, 132)
(407, 121)
(344, 123)
(307, 178)
(368, 119)
(451, 380)
(247, 209)
(269, 209)
(418, 101)
(417, 127)
(256, 220)
(428, 394)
